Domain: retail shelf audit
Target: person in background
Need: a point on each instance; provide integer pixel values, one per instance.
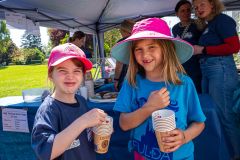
(79, 39)
(217, 44)
(187, 30)
(61, 127)
(157, 80)
(121, 69)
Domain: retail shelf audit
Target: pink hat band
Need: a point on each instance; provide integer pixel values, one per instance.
(151, 24)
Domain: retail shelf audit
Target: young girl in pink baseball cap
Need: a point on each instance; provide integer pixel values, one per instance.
(61, 124)
(157, 80)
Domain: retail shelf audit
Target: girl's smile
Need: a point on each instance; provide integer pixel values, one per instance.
(148, 54)
(147, 61)
(69, 84)
(67, 78)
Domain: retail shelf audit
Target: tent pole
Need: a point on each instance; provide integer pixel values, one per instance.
(101, 50)
(95, 48)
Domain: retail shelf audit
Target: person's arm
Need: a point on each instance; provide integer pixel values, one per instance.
(65, 138)
(195, 120)
(193, 131)
(118, 70)
(177, 137)
(225, 28)
(231, 45)
(157, 100)
(132, 120)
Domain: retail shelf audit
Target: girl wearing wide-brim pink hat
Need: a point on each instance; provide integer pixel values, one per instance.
(157, 80)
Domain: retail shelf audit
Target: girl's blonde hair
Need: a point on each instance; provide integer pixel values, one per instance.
(170, 63)
(218, 7)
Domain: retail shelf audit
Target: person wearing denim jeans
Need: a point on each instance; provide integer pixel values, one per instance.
(217, 44)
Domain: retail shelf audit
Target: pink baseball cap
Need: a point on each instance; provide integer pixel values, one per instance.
(151, 28)
(67, 51)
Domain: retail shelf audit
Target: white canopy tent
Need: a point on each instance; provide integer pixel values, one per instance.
(92, 16)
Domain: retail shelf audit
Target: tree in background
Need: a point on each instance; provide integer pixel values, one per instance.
(6, 44)
(56, 35)
(65, 39)
(47, 49)
(12, 49)
(32, 51)
(17, 57)
(31, 41)
(32, 55)
(110, 39)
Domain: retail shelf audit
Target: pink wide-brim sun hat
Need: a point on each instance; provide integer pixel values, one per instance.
(67, 51)
(151, 28)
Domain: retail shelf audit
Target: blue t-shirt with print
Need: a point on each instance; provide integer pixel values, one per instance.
(51, 118)
(183, 101)
(219, 28)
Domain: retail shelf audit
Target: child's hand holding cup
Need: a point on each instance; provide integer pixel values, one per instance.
(102, 134)
(163, 121)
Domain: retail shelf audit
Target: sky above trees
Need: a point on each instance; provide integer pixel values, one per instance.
(16, 35)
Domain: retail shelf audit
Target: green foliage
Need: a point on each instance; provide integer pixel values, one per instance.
(107, 49)
(47, 49)
(32, 55)
(5, 44)
(56, 35)
(4, 33)
(65, 39)
(17, 57)
(31, 41)
(110, 39)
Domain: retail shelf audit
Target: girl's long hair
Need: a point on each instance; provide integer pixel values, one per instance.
(170, 64)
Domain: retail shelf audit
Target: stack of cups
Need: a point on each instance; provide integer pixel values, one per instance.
(102, 135)
(163, 122)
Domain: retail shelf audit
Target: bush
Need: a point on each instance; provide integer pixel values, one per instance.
(33, 55)
(17, 57)
(18, 62)
(107, 49)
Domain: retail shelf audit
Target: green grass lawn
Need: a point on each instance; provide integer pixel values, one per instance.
(14, 79)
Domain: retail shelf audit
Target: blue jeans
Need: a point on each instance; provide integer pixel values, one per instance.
(192, 67)
(219, 80)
